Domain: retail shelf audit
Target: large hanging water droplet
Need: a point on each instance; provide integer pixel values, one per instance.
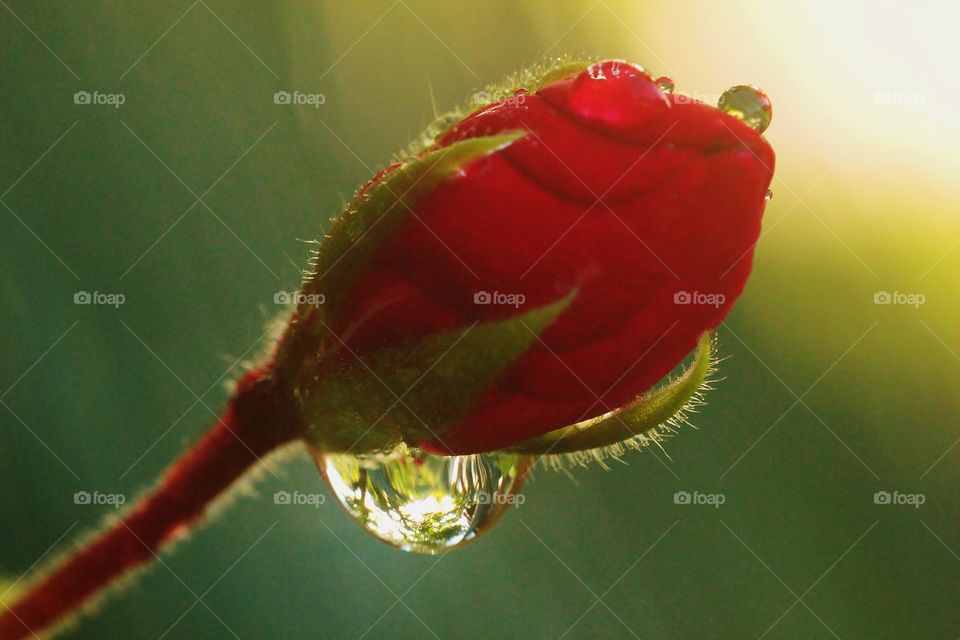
(665, 84)
(749, 104)
(425, 503)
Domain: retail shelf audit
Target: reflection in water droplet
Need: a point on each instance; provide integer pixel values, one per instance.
(769, 195)
(425, 503)
(665, 84)
(749, 104)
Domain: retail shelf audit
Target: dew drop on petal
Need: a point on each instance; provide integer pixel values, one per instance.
(665, 84)
(769, 196)
(425, 503)
(748, 104)
(615, 93)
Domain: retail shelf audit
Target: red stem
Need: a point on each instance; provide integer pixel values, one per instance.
(258, 419)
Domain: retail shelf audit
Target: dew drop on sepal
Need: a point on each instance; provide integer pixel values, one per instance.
(425, 503)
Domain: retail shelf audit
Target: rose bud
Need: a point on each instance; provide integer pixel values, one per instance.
(516, 286)
(542, 261)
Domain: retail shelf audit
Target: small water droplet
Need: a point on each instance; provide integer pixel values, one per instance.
(425, 503)
(665, 84)
(769, 196)
(749, 104)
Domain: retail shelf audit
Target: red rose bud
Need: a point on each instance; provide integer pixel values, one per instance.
(543, 261)
(521, 283)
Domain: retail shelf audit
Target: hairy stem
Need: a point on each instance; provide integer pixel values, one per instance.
(258, 420)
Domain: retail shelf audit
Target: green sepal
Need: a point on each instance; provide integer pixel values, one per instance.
(642, 416)
(363, 228)
(530, 79)
(557, 72)
(419, 390)
(354, 239)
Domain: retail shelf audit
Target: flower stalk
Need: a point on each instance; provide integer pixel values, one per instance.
(258, 420)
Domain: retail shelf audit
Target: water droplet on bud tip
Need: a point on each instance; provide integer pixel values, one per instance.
(748, 104)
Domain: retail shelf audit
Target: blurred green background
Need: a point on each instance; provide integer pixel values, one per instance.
(827, 397)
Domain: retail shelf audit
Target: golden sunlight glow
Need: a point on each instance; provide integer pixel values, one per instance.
(849, 77)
